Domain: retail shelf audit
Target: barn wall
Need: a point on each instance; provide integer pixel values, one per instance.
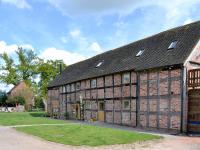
(160, 99)
(152, 98)
(53, 101)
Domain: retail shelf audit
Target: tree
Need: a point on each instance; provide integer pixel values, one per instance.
(27, 67)
(24, 70)
(8, 70)
(39, 102)
(48, 71)
(3, 98)
(16, 100)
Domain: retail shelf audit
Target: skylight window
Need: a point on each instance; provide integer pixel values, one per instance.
(99, 64)
(140, 53)
(172, 45)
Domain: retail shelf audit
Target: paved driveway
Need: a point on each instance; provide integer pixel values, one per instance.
(11, 139)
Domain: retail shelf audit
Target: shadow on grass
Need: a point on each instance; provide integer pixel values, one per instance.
(38, 114)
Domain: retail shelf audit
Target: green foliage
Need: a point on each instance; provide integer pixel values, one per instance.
(3, 97)
(16, 100)
(39, 102)
(48, 71)
(9, 71)
(27, 67)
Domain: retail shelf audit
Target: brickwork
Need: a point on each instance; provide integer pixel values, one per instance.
(158, 104)
(109, 117)
(160, 96)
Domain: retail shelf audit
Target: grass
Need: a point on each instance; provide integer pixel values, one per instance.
(86, 135)
(71, 134)
(26, 118)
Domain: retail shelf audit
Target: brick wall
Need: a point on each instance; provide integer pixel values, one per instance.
(158, 104)
(160, 99)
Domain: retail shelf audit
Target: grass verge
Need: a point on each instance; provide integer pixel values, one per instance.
(78, 135)
(71, 134)
(26, 118)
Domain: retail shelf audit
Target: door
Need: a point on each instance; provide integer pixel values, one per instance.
(76, 111)
(101, 107)
(194, 111)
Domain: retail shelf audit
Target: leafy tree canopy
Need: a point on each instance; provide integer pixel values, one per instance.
(28, 67)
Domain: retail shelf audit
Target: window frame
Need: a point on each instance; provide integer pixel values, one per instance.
(124, 77)
(78, 83)
(128, 106)
(92, 83)
(140, 52)
(172, 45)
(72, 87)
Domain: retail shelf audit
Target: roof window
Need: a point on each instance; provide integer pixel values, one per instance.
(99, 64)
(172, 45)
(140, 52)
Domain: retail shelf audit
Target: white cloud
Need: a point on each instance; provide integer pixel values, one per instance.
(64, 39)
(27, 46)
(120, 7)
(175, 12)
(56, 54)
(188, 21)
(75, 33)
(95, 47)
(10, 49)
(21, 4)
(5, 87)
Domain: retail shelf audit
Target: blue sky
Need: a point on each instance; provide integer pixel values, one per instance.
(74, 30)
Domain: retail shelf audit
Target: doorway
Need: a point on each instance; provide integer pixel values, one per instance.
(76, 111)
(101, 108)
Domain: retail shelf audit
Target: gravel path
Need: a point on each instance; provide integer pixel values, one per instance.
(11, 139)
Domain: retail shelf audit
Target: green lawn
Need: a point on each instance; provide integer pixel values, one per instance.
(26, 118)
(71, 134)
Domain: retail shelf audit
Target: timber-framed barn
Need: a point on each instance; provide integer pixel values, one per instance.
(151, 84)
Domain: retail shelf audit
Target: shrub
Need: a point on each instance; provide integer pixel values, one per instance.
(16, 100)
(39, 102)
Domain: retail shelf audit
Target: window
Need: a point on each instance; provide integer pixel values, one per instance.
(172, 45)
(78, 85)
(140, 53)
(87, 105)
(126, 78)
(68, 88)
(63, 89)
(101, 106)
(99, 64)
(93, 83)
(72, 87)
(126, 105)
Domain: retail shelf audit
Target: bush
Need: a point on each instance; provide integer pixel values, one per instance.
(39, 102)
(16, 100)
(67, 115)
(3, 98)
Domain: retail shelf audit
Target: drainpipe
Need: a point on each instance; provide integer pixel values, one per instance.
(184, 100)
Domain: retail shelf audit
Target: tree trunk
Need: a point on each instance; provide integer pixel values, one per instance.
(45, 104)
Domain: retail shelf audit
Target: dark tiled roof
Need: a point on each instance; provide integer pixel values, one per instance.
(124, 58)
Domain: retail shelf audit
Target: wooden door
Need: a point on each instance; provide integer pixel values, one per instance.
(194, 111)
(76, 111)
(101, 107)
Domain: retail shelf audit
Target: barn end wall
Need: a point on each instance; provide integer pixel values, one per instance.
(152, 98)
